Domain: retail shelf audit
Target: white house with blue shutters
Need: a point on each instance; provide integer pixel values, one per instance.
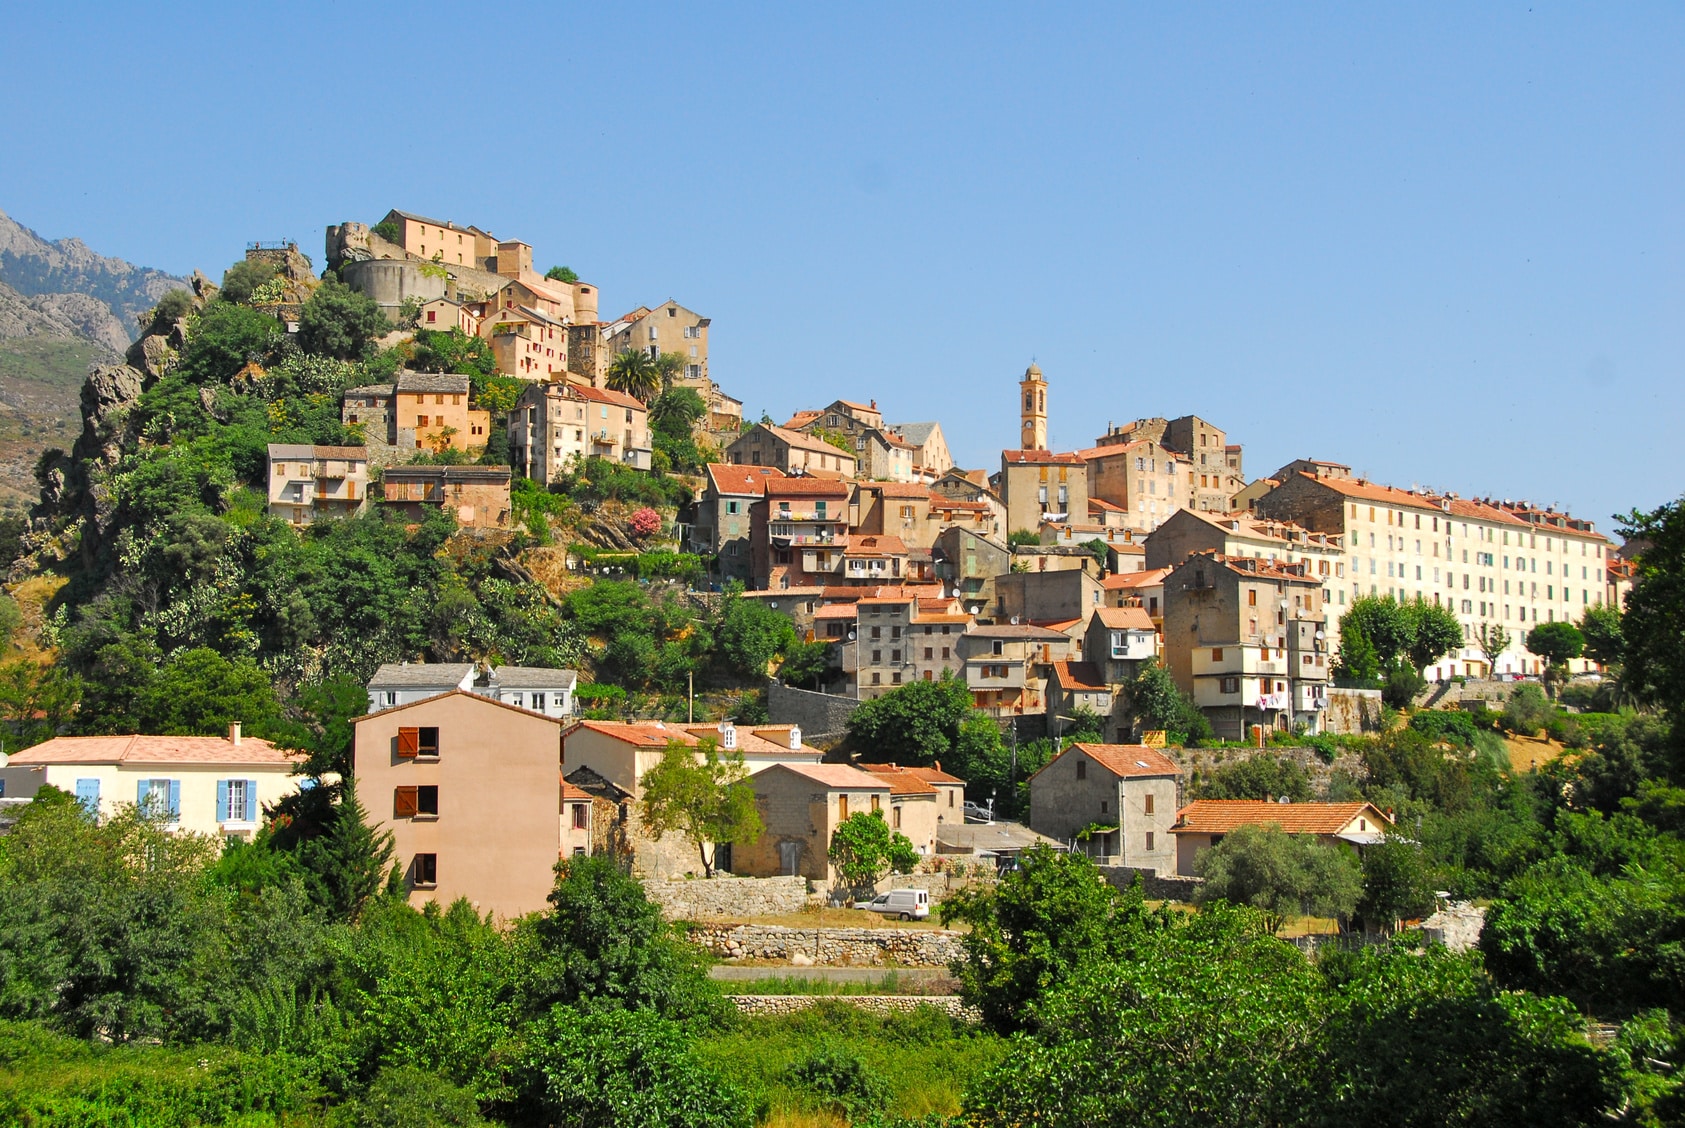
(217, 785)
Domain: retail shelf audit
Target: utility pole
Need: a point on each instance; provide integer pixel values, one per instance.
(690, 682)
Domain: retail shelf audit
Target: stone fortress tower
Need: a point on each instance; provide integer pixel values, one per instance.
(1034, 393)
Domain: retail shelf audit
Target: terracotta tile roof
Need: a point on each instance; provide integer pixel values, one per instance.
(1095, 453)
(803, 441)
(1032, 457)
(1219, 816)
(1063, 626)
(836, 777)
(729, 478)
(801, 419)
(1131, 759)
(898, 489)
(643, 734)
(1123, 618)
(569, 791)
(136, 749)
(1105, 506)
(1147, 577)
(899, 780)
(1363, 490)
(836, 611)
(955, 618)
(1017, 631)
(935, 774)
(875, 546)
(606, 395)
(1078, 677)
(1256, 566)
(805, 486)
(859, 406)
(940, 501)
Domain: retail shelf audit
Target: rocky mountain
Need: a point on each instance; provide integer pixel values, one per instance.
(68, 279)
(62, 309)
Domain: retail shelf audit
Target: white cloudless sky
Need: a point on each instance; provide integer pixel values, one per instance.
(1440, 243)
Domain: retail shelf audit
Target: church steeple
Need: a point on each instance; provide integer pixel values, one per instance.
(1033, 391)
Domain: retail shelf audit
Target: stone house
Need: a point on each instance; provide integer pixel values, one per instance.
(444, 240)
(211, 785)
(1245, 638)
(556, 425)
(1124, 796)
(419, 411)
(801, 806)
(914, 804)
(798, 531)
(969, 562)
(1204, 822)
(526, 342)
(931, 458)
(478, 495)
(904, 635)
(1007, 666)
(985, 518)
(1039, 486)
(1143, 589)
(1078, 685)
(790, 451)
(441, 315)
(1142, 481)
(885, 456)
(309, 483)
(950, 790)
(1048, 597)
(721, 517)
(668, 328)
(897, 509)
(609, 760)
(472, 792)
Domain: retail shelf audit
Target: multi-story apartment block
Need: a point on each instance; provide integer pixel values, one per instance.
(1143, 479)
(1484, 561)
(308, 483)
(798, 531)
(1039, 486)
(972, 486)
(968, 563)
(1131, 788)
(898, 509)
(985, 518)
(478, 496)
(556, 425)
(420, 411)
(790, 451)
(443, 240)
(904, 635)
(1143, 589)
(1245, 638)
(526, 342)
(722, 518)
(668, 328)
(1048, 598)
(1007, 666)
(886, 456)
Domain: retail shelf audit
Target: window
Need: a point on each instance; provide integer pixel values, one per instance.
(1230, 685)
(538, 702)
(842, 807)
(1216, 654)
(160, 796)
(581, 815)
(87, 794)
(1148, 807)
(1149, 842)
(236, 800)
(427, 801)
(998, 647)
(1252, 597)
(1082, 769)
(896, 812)
(426, 871)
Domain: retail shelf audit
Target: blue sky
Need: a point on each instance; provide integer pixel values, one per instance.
(1442, 244)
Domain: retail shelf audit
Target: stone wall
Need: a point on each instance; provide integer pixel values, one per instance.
(822, 716)
(1156, 887)
(1457, 926)
(905, 947)
(950, 1005)
(1352, 711)
(728, 897)
(1199, 762)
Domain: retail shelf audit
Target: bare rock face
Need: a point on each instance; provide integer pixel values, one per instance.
(107, 395)
(150, 355)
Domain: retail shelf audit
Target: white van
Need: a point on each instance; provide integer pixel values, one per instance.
(904, 904)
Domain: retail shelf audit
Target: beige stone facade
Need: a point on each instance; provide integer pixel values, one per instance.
(790, 451)
(556, 425)
(1038, 486)
(801, 806)
(668, 328)
(1144, 480)
(309, 483)
(478, 496)
(1112, 801)
(526, 342)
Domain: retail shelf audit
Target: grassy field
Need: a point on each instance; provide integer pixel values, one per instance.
(832, 1064)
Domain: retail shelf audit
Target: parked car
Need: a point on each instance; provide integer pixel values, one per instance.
(904, 904)
(977, 814)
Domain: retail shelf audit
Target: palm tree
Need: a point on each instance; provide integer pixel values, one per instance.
(634, 373)
(676, 411)
(668, 366)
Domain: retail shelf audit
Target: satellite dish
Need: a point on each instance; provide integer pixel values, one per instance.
(1015, 620)
(851, 636)
(773, 604)
(4, 760)
(1320, 636)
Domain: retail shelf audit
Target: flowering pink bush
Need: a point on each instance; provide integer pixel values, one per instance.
(645, 522)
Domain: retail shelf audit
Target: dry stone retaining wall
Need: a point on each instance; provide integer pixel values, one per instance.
(1154, 886)
(822, 716)
(906, 947)
(950, 1005)
(730, 897)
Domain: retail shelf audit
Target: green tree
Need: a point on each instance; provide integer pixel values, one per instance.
(669, 366)
(1358, 665)
(633, 372)
(1434, 632)
(805, 663)
(863, 849)
(1280, 874)
(1527, 711)
(318, 723)
(1653, 620)
(36, 702)
(1384, 622)
(703, 796)
(1256, 777)
(1396, 884)
(1601, 628)
(914, 724)
(245, 276)
(408, 1096)
(348, 865)
(225, 338)
(561, 274)
(623, 1069)
(200, 693)
(752, 634)
(603, 944)
(1159, 703)
(338, 321)
(453, 350)
(1558, 644)
(1027, 537)
(1029, 933)
(1494, 640)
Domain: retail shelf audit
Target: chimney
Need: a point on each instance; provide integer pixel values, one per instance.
(795, 738)
(234, 733)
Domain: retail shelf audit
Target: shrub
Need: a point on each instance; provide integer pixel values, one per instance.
(1528, 710)
(645, 522)
(243, 279)
(405, 1096)
(835, 1075)
(1452, 726)
(172, 307)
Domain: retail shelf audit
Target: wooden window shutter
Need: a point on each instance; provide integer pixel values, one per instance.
(404, 803)
(409, 742)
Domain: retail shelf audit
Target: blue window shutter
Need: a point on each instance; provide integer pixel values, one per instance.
(253, 812)
(175, 800)
(140, 793)
(87, 794)
(221, 800)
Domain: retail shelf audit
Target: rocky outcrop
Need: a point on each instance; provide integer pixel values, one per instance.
(36, 267)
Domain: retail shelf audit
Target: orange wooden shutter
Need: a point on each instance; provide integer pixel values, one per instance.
(404, 805)
(409, 742)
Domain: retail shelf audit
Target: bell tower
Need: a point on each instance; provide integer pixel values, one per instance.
(1033, 396)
